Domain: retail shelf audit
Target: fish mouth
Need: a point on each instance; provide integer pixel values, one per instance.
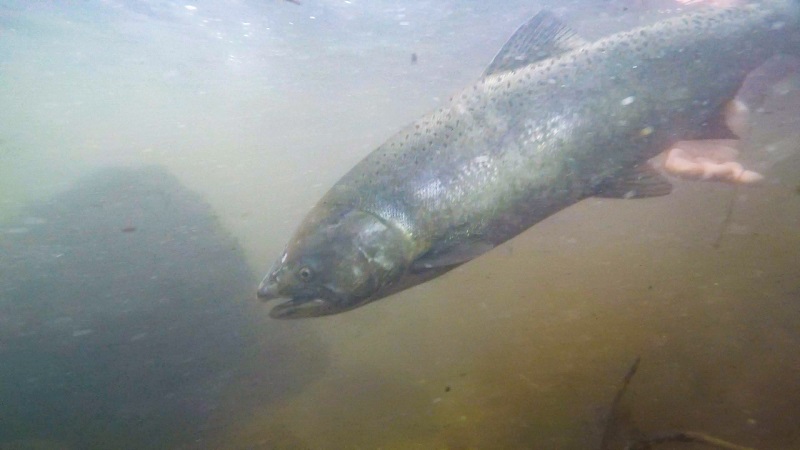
(307, 304)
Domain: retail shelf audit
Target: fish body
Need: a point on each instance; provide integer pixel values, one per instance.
(553, 120)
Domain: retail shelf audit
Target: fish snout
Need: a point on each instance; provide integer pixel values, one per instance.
(268, 289)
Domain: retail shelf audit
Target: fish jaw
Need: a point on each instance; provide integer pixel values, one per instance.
(302, 308)
(298, 308)
(279, 284)
(323, 302)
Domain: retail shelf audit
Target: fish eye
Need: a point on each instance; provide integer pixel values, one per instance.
(305, 273)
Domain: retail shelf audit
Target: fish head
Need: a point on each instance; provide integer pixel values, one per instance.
(336, 263)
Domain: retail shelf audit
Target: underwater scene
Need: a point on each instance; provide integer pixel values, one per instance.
(384, 224)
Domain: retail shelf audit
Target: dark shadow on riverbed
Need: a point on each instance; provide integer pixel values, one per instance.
(127, 319)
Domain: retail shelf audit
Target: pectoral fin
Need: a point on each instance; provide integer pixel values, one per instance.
(451, 255)
(641, 181)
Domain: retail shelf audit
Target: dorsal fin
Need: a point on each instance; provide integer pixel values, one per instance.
(541, 37)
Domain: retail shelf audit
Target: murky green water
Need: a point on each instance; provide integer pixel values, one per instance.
(154, 159)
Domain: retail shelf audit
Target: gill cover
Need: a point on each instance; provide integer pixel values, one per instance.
(336, 262)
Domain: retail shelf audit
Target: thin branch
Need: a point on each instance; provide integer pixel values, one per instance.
(612, 423)
(685, 436)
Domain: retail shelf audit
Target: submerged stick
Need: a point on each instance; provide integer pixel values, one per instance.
(685, 436)
(612, 424)
(647, 443)
(723, 227)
